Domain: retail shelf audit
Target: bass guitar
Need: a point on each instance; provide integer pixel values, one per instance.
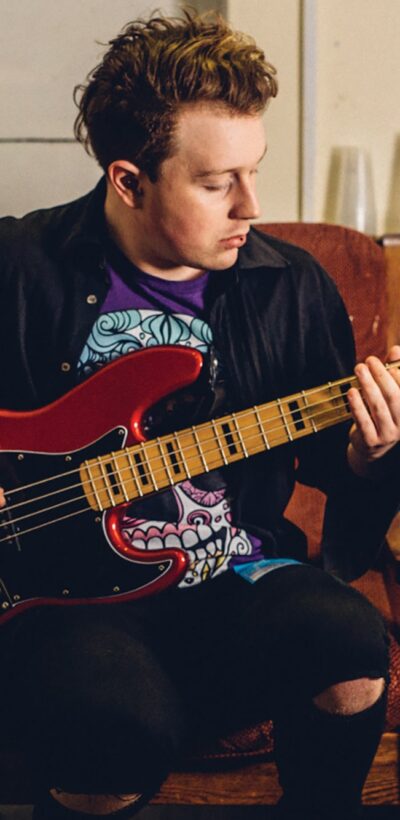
(78, 463)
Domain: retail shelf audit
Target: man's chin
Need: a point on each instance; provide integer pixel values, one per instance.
(224, 260)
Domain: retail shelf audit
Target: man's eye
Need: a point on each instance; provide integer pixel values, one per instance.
(224, 187)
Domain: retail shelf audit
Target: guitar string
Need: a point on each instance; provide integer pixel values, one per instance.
(180, 451)
(241, 414)
(77, 512)
(215, 450)
(329, 387)
(152, 474)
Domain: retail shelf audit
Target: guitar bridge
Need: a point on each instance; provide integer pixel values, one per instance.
(9, 532)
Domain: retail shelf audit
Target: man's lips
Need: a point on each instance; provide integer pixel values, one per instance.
(234, 241)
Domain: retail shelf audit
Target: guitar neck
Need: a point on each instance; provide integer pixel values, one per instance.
(154, 465)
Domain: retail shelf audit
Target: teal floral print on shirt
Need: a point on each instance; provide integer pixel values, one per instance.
(123, 331)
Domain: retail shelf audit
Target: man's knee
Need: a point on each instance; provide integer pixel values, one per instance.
(350, 697)
(96, 804)
(115, 756)
(330, 633)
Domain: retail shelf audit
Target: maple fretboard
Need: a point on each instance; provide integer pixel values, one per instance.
(153, 465)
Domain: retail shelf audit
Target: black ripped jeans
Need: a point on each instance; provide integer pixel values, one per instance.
(107, 699)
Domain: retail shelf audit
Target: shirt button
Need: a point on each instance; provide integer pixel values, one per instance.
(65, 367)
(91, 299)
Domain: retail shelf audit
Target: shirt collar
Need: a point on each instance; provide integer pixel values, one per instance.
(88, 228)
(258, 253)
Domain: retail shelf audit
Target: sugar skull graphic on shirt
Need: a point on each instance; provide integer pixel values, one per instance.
(194, 515)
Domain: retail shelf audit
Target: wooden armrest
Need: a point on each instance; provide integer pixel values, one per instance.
(391, 245)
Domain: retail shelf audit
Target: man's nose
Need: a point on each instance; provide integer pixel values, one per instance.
(246, 205)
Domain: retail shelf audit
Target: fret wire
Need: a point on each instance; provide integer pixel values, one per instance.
(263, 433)
(132, 467)
(348, 380)
(196, 438)
(322, 412)
(93, 485)
(105, 479)
(284, 419)
(91, 480)
(208, 441)
(344, 415)
(164, 461)
(221, 449)
(118, 472)
(305, 399)
(239, 434)
(337, 395)
(147, 463)
(87, 509)
(182, 454)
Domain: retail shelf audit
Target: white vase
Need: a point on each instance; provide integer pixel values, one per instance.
(355, 200)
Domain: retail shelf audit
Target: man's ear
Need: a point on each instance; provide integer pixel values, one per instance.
(125, 178)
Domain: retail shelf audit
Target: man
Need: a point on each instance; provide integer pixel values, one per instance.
(106, 698)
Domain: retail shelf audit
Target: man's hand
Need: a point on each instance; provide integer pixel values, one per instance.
(2, 498)
(375, 408)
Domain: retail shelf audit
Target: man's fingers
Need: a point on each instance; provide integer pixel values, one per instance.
(394, 354)
(365, 425)
(380, 392)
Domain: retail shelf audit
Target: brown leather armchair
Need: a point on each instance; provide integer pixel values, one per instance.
(239, 770)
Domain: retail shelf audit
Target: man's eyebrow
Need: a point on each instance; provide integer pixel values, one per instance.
(218, 171)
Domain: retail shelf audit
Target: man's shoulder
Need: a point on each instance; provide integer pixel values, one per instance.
(43, 229)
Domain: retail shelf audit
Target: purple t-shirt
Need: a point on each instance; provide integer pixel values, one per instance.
(140, 311)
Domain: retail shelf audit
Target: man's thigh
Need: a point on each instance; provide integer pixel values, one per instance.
(248, 648)
(217, 656)
(88, 701)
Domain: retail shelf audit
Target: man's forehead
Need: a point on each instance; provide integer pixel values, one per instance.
(212, 140)
(208, 171)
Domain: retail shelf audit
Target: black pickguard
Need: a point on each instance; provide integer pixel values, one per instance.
(69, 559)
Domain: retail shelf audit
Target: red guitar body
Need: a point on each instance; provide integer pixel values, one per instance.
(70, 562)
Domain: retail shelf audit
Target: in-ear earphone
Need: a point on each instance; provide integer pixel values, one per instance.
(130, 181)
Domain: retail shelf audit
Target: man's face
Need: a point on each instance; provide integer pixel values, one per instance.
(196, 215)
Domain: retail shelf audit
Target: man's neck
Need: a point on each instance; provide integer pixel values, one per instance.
(123, 235)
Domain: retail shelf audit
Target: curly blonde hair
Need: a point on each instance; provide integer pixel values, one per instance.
(128, 107)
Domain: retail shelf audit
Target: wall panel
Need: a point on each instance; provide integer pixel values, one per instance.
(275, 24)
(47, 48)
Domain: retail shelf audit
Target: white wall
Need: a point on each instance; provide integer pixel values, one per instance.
(275, 25)
(46, 49)
(351, 92)
(358, 97)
